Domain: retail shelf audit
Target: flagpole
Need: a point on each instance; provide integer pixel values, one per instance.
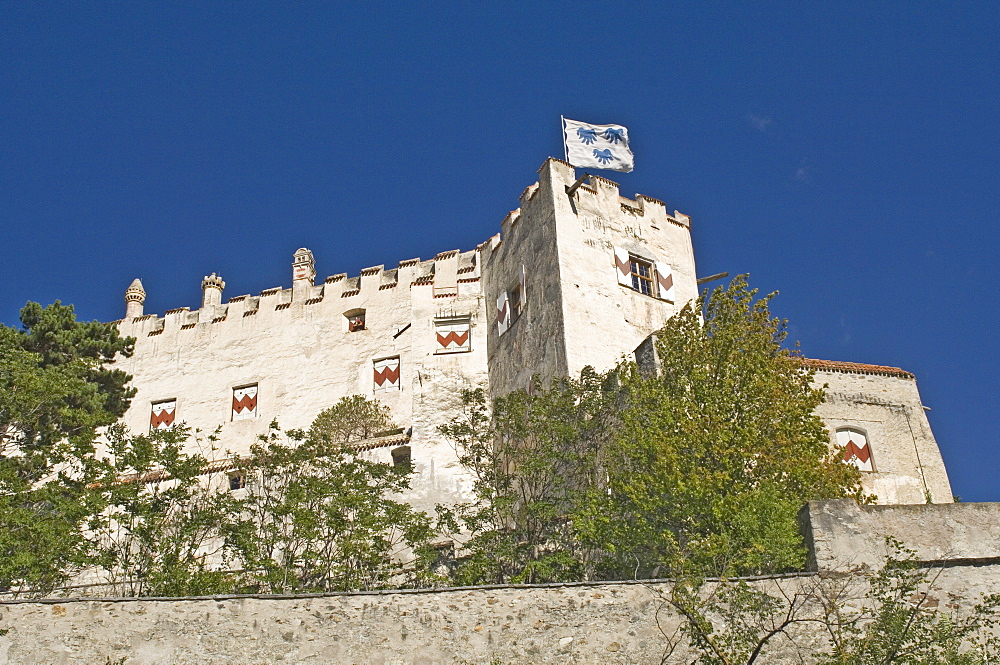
(565, 149)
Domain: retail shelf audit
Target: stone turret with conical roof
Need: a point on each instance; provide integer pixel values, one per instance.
(135, 296)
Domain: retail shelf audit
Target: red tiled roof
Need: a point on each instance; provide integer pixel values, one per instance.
(854, 368)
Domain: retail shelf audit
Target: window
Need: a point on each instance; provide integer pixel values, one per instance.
(648, 277)
(856, 449)
(386, 373)
(245, 402)
(642, 276)
(515, 303)
(161, 415)
(401, 458)
(510, 303)
(355, 320)
(237, 481)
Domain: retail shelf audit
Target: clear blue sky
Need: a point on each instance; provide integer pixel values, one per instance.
(845, 154)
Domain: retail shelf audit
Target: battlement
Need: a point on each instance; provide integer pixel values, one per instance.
(440, 273)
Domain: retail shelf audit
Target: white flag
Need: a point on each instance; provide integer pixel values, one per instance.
(597, 146)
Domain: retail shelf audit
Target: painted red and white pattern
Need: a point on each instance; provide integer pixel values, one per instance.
(300, 271)
(665, 281)
(453, 338)
(386, 374)
(162, 414)
(856, 449)
(245, 402)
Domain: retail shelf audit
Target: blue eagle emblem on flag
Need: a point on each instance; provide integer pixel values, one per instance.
(603, 156)
(588, 136)
(615, 135)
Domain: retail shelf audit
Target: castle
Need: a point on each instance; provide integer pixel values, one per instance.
(577, 276)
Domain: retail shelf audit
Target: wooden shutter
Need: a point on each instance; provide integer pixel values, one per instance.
(524, 287)
(623, 264)
(162, 414)
(665, 281)
(245, 402)
(503, 313)
(453, 338)
(386, 375)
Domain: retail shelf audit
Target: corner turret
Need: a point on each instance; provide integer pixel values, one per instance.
(303, 274)
(135, 296)
(211, 290)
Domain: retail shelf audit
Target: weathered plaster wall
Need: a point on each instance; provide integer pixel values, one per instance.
(535, 343)
(907, 460)
(609, 320)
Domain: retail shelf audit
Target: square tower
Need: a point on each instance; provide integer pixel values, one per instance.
(580, 276)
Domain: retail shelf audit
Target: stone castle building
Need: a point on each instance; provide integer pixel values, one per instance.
(577, 276)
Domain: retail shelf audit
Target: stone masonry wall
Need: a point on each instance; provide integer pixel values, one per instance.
(584, 624)
(842, 535)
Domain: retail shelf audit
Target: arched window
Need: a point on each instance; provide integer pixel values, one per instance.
(857, 451)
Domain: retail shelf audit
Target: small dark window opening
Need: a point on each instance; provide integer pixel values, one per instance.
(515, 303)
(356, 322)
(642, 276)
(401, 458)
(237, 481)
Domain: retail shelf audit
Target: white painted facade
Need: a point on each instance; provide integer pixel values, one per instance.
(559, 288)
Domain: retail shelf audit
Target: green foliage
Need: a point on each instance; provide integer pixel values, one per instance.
(533, 456)
(700, 469)
(715, 454)
(316, 514)
(889, 617)
(352, 418)
(900, 623)
(160, 533)
(56, 390)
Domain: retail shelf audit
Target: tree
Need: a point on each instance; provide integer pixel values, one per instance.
(317, 515)
(160, 532)
(533, 456)
(57, 387)
(713, 454)
(352, 418)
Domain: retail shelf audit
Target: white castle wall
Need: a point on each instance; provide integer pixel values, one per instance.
(296, 346)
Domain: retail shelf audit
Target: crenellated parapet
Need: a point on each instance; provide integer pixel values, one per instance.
(449, 274)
